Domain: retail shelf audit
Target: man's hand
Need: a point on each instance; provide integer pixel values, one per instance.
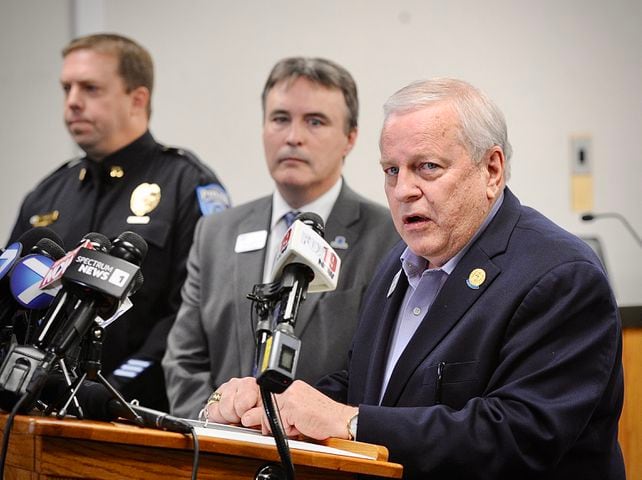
(306, 411)
(233, 399)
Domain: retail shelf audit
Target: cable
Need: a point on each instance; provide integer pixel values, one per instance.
(277, 430)
(7, 430)
(197, 449)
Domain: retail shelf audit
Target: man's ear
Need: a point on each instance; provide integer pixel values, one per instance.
(352, 138)
(494, 166)
(140, 99)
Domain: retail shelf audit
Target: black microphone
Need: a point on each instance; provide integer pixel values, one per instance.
(101, 281)
(590, 216)
(97, 403)
(65, 301)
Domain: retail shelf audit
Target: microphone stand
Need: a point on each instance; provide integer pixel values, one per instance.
(90, 363)
(587, 217)
(265, 298)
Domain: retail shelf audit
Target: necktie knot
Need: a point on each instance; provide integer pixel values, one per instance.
(290, 217)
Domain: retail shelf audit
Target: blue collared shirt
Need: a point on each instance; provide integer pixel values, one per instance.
(423, 286)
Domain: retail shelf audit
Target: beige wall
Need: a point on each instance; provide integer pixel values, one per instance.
(556, 68)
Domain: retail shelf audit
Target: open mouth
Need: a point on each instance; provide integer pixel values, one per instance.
(414, 219)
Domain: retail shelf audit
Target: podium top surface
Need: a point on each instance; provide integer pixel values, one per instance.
(133, 436)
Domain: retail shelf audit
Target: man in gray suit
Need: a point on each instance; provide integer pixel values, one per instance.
(310, 110)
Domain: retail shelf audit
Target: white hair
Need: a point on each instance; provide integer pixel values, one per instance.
(482, 124)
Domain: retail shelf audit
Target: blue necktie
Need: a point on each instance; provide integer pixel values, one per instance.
(290, 217)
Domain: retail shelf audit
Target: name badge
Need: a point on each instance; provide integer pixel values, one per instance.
(250, 241)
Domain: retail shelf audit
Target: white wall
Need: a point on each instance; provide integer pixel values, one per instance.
(556, 68)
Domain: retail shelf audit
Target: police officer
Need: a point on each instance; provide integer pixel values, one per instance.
(125, 181)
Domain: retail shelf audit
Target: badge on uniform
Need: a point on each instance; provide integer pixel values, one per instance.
(44, 219)
(144, 199)
(212, 198)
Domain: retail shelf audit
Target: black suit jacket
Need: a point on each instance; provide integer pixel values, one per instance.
(520, 378)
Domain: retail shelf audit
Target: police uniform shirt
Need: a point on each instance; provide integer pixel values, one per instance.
(147, 188)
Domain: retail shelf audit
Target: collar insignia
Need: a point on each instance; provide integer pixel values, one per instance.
(44, 219)
(116, 172)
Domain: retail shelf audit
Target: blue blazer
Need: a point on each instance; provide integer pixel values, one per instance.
(519, 378)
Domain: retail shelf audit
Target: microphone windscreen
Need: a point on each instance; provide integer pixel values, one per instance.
(312, 220)
(99, 241)
(93, 397)
(130, 247)
(49, 247)
(31, 237)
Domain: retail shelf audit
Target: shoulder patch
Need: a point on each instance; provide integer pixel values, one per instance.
(212, 198)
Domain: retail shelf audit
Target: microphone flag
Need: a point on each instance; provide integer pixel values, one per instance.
(301, 244)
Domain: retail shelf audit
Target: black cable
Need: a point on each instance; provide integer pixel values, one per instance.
(197, 449)
(7, 430)
(277, 430)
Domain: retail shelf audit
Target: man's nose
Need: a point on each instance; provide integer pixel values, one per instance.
(295, 134)
(406, 188)
(72, 97)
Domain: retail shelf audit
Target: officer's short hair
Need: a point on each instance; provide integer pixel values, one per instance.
(135, 64)
(320, 71)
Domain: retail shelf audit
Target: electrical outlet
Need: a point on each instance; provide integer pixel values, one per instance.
(581, 155)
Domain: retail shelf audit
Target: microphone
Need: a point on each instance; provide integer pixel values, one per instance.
(590, 216)
(8, 259)
(99, 281)
(64, 301)
(25, 242)
(304, 244)
(97, 403)
(19, 283)
(305, 262)
(28, 273)
(92, 240)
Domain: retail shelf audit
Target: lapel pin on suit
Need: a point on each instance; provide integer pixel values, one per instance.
(476, 278)
(339, 243)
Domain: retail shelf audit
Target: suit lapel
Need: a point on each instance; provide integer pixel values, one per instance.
(249, 264)
(456, 297)
(379, 355)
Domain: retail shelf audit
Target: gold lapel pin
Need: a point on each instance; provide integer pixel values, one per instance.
(476, 278)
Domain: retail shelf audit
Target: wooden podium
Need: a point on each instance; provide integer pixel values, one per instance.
(47, 448)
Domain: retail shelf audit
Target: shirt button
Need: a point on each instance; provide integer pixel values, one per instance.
(416, 310)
